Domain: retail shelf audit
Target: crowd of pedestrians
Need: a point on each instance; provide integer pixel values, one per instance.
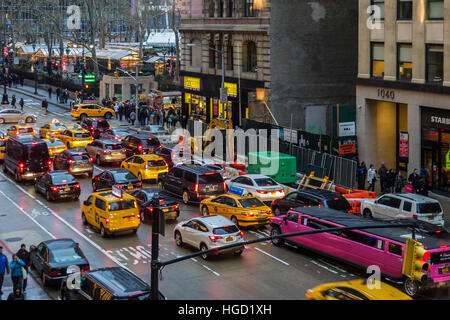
(392, 181)
(18, 268)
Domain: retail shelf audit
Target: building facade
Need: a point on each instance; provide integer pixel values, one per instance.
(240, 30)
(403, 86)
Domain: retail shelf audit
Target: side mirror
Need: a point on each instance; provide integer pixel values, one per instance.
(86, 203)
(285, 219)
(33, 248)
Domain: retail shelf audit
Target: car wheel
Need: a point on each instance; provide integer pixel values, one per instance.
(2, 121)
(94, 187)
(142, 217)
(90, 174)
(411, 287)
(235, 221)
(68, 145)
(102, 231)
(367, 214)
(83, 218)
(178, 239)
(17, 177)
(47, 196)
(205, 211)
(275, 232)
(43, 279)
(186, 197)
(108, 115)
(36, 190)
(98, 161)
(5, 171)
(140, 177)
(238, 252)
(29, 120)
(204, 248)
(277, 211)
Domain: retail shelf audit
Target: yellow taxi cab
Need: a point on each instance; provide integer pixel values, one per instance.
(51, 129)
(2, 148)
(19, 129)
(111, 213)
(75, 137)
(83, 111)
(355, 290)
(146, 166)
(242, 209)
(55, 146)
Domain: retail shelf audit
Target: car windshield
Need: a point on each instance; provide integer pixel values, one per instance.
(62, 178)
(83, 157)
(250, 203)
(82, 135)
(113, 147)
(265, 182)
(210, 178)
(156, 163)
(38, 152)
(122, 205)
(59, 127)
(225, 230)
(25, 130)
(102, 124)
(121, 133)
(150, 142)
(124, 176)
(431, 207)
(56, 143)
(66, 255)
(339, 204)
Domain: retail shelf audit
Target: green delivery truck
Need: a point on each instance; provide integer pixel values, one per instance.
(280, 167)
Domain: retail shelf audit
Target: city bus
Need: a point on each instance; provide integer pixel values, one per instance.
(383, 247)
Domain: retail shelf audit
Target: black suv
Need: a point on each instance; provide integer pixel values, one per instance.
(95, 126)
(140, 144)
(172, 160)
(310, 198)
(121, 178)
(26, 157)
(115, 283)
(192, 182)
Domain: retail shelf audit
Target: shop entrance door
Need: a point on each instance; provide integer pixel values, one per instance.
(435, 155)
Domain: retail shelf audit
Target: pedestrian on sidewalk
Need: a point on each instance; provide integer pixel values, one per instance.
(132, 117)
(65, 95)
(390, 181)
(16, 266)
(58, 94)
(21, 103)
(21, 81)
(121, 111)
(13, 102)
(49, 92)
(413, 177)
(45, 106)
(16, 295)
(5, 99)
(4, 268)
(372, 177)
(24, 255)
(116, 110)
(361, 174)
(399, 182)
(382, 171)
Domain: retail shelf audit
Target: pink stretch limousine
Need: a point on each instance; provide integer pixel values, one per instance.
(382, 247)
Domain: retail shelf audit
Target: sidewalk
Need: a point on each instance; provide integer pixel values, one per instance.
(34, 290)
(42, 94)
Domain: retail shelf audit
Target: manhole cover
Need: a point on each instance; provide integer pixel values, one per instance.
(13, 239)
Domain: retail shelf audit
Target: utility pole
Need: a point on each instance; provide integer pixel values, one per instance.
(155, 256)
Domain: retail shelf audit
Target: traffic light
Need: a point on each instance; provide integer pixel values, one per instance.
(415, 264)
(86, 86)
(116, 75)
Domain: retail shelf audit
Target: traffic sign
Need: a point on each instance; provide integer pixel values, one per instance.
(224, 95)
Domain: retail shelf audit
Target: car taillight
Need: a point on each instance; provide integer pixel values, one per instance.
(415, 216)
(17, 133)
(224, 186)
(77, 186)
(85, 268)
(92, 128)
(107, 221)
(214, 238)
(249, 214)
(262, 192)
(91, 159)
(138, 216)
(139, 184)
(282, 191)
(119, 186)
(140, 148)
(175, 207)
(54, 273)
(21, 166)
(241, 234)
(50, 163)
(55, 188)
(106, 151)
(196, 187)
(71, 161)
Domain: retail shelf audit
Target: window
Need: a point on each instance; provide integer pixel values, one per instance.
(230, 202)
(230, 8)
(404, 9)
(377, 65)
(435, 63)
(212, 8)
(435, 9)
(344, 293)
(380, 4)
(221, 7)
(404, 62)
(212, 55)
(177, 173)
(395, 249)
(293, 217)
(230, 62)
(249, 8)
(249, 56)
(100, 204)
(196, 53)
(318, 224)
(219, 55)
(292, 196)
(363, 239)
(407, 206)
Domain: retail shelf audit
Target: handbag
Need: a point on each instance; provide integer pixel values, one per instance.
(409, 188)
(24, 273)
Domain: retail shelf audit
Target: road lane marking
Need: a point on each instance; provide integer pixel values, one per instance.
(332, 265)
(214, 272)
(324, 267)
(25, 213)
(268, 254)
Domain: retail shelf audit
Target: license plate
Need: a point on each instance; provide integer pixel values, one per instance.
(261, 215)
(431, 218)
(130, 187)
(274, 192)
(445, 270)
(67, 189)
(229, 239)
(81, 164)
(165, 210)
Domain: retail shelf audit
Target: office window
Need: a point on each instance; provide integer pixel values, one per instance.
(212, 55)
(230, 62)
(404, 9)
(380, 4)
(249, 56)
(212, 8)
(435, 9)
(230, 8)
(404, 62)
(377, 60)
(435, 63)
(249, 9)
(219, 55)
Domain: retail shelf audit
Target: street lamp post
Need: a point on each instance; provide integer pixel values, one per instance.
(35, 71)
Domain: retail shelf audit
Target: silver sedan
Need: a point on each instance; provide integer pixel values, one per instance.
(106, 151)
(14, 116)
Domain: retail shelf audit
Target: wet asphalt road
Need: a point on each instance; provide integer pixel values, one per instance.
(262, 272)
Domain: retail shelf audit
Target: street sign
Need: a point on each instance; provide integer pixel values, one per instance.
(87, 76)
(224, 95)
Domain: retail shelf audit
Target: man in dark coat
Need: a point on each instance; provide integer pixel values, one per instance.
(24, 255)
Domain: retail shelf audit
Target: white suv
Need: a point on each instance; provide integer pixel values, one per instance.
(404, 206)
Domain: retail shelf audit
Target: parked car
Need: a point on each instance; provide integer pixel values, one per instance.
(205, 233)
(109, 151)
(114, 283)
(58, 185)
(52, 258)
(404, 206)
(14, 116)
(310, 198)
(122, 178)
(152, 200)
(192, 183)
(262, 187)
